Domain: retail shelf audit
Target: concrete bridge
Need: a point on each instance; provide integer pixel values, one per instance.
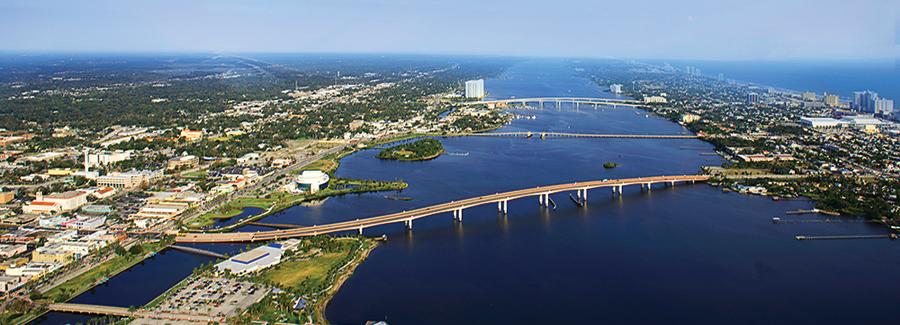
(544, 135)
(558, 101)
(124, 312)
(455, 207)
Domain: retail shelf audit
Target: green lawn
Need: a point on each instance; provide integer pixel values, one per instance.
(315, 270)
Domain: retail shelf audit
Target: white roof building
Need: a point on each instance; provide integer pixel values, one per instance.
(312, 180)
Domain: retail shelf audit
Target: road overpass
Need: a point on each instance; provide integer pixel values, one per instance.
(558, 101)
(544, 135)
(456, 207)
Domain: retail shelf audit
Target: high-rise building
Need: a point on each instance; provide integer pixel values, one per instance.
(475, 88)
(752, 98)
(884, 106)
(832, 100)
(809, 96)
(615, 88)
(864, 101)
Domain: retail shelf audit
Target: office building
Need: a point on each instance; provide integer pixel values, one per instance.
(475, 88)
(130, 179)
(183, 162)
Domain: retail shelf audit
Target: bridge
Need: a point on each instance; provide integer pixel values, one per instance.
(456, 207)
(197, 251)
(544, 135)
(125, 312)
(558, 101)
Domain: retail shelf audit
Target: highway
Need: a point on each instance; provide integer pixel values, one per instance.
(456, 207)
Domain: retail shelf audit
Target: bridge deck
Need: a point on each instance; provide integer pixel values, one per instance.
(426, 211)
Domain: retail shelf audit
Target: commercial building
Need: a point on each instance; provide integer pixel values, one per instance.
(9, 283)
(615, 88)
(312, 181)
(104, 158)
(127, 180)
(57, 202)
(6, 197)
(251, 158)
(808, 96)
(33, 270)
(475, 88)
(655, 100)
(191, 135)
(186, 162)
(821, 122)
(858, 121)
(690, 118)
(7, 251)
(52, 253)
(253, 260)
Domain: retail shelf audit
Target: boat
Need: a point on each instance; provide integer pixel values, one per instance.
(463, 154)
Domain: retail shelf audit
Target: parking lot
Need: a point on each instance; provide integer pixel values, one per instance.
(213, 297)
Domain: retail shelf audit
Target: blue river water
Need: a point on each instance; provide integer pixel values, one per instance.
(685, 254)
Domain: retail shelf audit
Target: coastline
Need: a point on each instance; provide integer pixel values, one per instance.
(350, 268)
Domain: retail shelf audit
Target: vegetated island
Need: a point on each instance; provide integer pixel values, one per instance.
(610, 164)
(424, 149)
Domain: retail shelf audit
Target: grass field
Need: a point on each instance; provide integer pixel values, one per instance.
(315, 270)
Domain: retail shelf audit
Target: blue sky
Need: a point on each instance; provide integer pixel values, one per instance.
(687, 29)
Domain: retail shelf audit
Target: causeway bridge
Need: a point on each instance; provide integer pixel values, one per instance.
(125, 312)
(456, 207)
(544, 135)
(558, 101)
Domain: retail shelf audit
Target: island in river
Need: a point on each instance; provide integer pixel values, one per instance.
(424, 149)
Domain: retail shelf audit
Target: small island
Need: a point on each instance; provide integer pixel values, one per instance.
(610, 164)
(424, 149)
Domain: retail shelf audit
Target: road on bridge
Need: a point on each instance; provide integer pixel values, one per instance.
(409, 216)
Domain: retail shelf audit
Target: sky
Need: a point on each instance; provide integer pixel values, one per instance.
(685, 29)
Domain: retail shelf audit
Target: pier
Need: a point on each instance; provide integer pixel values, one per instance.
(839, 237)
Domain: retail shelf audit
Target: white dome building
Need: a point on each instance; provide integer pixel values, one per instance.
(312, 181)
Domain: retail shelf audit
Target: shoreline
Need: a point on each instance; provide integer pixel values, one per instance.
(319, 310)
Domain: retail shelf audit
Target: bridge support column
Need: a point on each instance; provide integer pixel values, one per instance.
(584, 196)
(360, 231)
(499, 206)
(459, 215)
(505, 206)
(541, 199)
(408, 224)
(649, 186)
(672, 183)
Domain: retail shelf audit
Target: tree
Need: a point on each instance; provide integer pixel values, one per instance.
(136, 249)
